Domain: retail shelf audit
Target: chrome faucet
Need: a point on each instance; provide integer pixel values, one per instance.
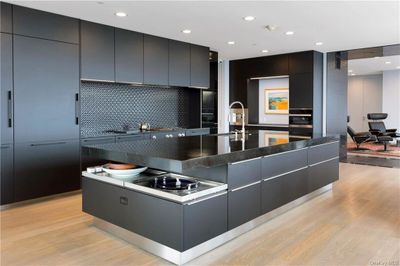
(242, 106)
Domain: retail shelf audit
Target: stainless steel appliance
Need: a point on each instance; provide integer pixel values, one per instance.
(300, 122)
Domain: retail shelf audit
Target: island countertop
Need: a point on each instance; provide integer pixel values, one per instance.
(181, 154)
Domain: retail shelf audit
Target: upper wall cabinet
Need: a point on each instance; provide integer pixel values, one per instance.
(302, 62)
(97, 52)
(128, 56)
(155, 60)
(199, 66)
(35, 23)
(6, 15)
(179, 63)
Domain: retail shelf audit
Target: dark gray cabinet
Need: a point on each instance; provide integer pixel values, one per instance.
(97, 52)
(37, 175)
(322, 174)
(128, 56)
(277, 164)
(204, 219)
(7, 173)
(272, 194)
(6, 17)
(105, 201)
(244, 204)
(183, 225)
(179, 63)
(199, 66)
(46, 83)
(244, 173)
(7, 90)
(40, 24)
(323, 152)
(301, 90)
(155, 60)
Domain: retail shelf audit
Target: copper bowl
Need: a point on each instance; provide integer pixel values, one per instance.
(121, 166)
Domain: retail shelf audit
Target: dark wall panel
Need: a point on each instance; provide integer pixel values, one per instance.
(336, 98)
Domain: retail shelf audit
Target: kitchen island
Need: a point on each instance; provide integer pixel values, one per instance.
(242, 182)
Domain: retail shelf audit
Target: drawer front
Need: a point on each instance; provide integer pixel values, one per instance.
(295, 185)
(272, 194)
(281, 163)
(101, 140)
(204, 220)
(131, 137)
(244, 204)
(322, 174)
(104, 201)
(323, 152)
(197, 132)
(244, 173)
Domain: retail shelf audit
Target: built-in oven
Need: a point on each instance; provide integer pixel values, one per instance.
(300, 122)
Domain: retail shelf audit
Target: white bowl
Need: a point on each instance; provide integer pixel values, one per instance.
(124, 174)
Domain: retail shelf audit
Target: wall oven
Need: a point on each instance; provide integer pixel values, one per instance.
(300, 122)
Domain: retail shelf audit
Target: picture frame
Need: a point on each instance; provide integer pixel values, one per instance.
(276, 101)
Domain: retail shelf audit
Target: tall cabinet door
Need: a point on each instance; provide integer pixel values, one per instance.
(46, 84)
(155, 60)
(46, 168)
(6, 89)
(128, 56)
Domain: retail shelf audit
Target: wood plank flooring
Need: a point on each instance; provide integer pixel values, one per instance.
(357, 223)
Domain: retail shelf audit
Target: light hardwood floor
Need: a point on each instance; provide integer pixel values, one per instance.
(357, 223)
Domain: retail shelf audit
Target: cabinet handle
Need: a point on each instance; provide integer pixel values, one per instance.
(9, 108)
(76, 108)
(244, 161)
(245, 186)
(206, 198)
(48, 144)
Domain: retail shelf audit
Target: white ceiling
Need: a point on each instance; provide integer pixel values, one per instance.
(340, 25)
(369, 66)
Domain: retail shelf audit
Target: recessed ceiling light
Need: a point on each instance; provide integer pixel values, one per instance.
(186, 31)
(398, 67)
(388, 62)
(264, 51)
(121, 14)
(289, 32)
(319, 43)
(350, 71)
(231, 42)
(249, 18)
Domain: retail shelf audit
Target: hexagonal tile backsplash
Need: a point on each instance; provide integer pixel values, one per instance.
(107, 106)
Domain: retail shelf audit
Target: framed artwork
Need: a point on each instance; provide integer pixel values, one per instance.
(276, 101)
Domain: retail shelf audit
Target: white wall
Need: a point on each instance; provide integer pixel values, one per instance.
(391, 98)
(364, 95)
(271, 84)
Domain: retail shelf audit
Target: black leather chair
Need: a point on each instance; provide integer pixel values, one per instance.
(377, 127)
(361, 137)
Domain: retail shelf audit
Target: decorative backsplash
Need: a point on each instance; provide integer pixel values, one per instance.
(107, 106)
